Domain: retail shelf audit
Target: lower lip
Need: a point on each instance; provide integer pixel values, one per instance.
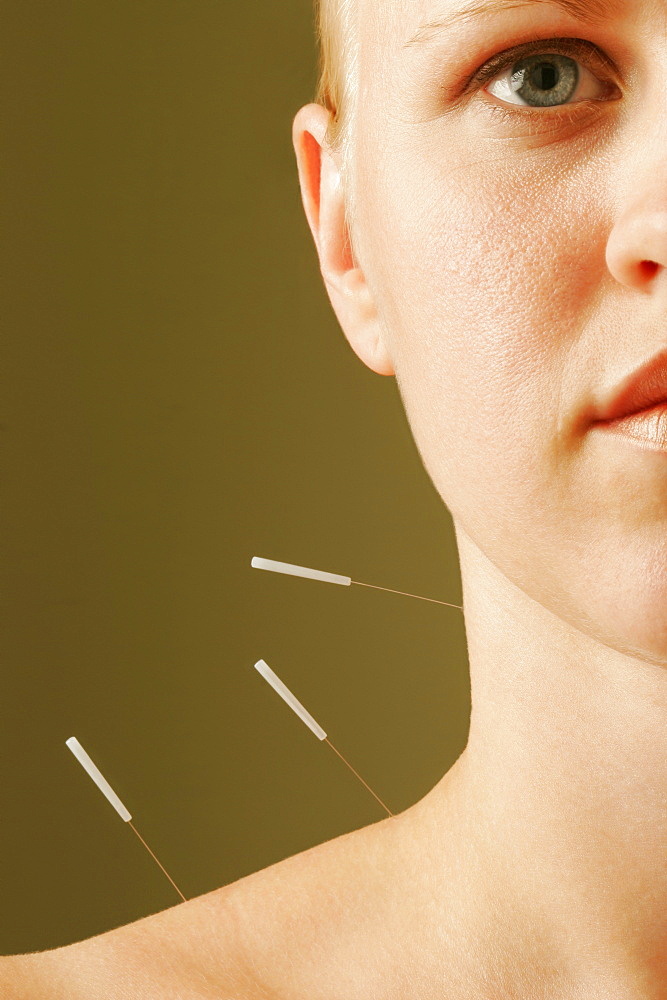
(647, 429)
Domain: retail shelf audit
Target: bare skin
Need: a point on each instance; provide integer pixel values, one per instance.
(348, 919)
(509, 271)
(306, 927)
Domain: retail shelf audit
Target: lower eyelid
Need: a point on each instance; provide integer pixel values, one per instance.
(547, 120)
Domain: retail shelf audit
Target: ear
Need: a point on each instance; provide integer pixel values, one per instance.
(323, 200)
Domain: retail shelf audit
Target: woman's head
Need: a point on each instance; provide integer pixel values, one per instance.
(509, 197)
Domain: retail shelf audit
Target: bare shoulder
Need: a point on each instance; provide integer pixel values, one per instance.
(16, 981)
(292, 929)
(305, 926)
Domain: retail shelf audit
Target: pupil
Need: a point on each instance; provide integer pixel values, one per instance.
(546, 76)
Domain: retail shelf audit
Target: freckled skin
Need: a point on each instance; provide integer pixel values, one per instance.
(501, 280)
(500, 274)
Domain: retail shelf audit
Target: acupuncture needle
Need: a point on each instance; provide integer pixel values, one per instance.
(268, 674)
(109, 793)
(317, 574)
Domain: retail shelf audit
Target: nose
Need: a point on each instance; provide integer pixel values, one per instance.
(637, 246)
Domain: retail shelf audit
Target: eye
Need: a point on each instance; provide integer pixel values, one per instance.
(545, 79)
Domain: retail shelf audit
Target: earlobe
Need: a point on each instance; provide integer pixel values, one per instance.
(323, 197)
(364, 333)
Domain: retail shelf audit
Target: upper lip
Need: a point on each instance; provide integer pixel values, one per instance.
(642, 389)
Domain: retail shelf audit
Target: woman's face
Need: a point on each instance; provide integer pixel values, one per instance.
(505, 240)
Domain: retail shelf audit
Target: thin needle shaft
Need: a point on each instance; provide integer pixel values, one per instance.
(386, 808)
(108, 792)
(130, 823)
(419, 598)
(316, 574)
(268, 674)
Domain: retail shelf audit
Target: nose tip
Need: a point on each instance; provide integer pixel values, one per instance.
(637, 247)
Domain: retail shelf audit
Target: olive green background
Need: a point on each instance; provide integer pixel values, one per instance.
(177, 397)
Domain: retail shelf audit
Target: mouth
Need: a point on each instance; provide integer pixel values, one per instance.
(647, 427)
(637, 408)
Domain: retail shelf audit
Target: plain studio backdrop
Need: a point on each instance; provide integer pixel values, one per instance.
(178, 397)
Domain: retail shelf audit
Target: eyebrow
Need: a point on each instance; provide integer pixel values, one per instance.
(589, 11)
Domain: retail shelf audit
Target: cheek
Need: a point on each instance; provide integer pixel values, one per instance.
(486, 295)
(493, 297)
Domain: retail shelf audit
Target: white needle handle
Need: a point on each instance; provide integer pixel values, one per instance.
(292, 570)
(293, 702)
(97, 777)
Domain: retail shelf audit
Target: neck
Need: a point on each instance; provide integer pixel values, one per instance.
(537, 865)
(564, 783)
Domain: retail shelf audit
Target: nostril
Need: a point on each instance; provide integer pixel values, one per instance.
(648, 268)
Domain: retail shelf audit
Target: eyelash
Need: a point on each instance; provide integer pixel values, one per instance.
(588, 53)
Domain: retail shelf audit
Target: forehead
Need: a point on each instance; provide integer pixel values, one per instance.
(383, 28)
(388, 23)
(399, 24)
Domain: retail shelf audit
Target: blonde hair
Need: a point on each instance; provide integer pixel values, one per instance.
(338, 43)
